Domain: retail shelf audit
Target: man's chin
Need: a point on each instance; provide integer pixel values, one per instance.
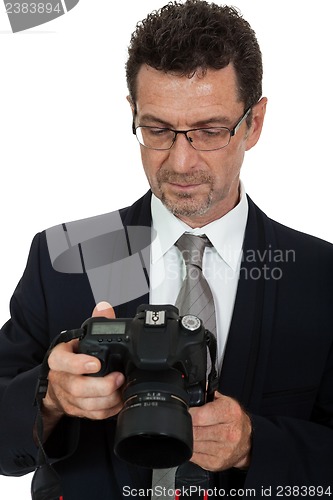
(186, 206)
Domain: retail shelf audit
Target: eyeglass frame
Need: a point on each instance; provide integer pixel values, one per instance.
(232, 132)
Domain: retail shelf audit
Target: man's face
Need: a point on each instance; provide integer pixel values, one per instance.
(197, 186)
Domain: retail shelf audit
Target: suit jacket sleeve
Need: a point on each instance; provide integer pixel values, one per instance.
(38, 313)
(46, 302)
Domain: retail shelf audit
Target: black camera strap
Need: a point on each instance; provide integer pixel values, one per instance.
(213, 375)
(46, 482)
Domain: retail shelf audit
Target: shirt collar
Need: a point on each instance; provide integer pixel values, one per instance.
(226, 234)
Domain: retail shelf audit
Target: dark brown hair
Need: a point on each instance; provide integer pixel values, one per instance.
(194, 36)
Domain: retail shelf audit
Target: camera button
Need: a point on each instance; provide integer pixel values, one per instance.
(191, 323)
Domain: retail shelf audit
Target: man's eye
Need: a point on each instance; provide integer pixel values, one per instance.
(212, 132)
(158, 131)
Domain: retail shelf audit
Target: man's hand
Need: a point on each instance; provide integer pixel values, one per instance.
(70, 392)
(222, 435)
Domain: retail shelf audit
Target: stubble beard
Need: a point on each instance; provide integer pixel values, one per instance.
(186, 204)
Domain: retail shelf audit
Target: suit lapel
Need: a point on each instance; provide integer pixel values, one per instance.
(243, 369)
(137, 224)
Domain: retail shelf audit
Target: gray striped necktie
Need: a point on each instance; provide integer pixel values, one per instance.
(195, 297)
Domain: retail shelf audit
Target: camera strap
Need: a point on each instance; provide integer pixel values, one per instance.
(46, 482)
(212, 384)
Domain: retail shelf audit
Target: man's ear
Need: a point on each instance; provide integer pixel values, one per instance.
(133, 108)
(258, 115)
(131, 103)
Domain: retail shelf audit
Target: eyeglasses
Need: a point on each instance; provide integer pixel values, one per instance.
(201, 139)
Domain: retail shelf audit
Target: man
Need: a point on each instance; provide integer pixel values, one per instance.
(194, 76)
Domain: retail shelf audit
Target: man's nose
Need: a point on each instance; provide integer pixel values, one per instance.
(182, 154)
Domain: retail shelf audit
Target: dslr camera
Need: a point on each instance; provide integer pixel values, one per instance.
(164, 359)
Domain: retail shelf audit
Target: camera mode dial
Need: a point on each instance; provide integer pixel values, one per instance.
(191, 323)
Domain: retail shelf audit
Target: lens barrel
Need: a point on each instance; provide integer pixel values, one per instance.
(154, 428)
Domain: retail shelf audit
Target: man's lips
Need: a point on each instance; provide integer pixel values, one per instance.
(183, 183)
(184, 186)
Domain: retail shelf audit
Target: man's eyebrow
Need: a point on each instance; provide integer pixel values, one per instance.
(218, 121)
(148, 119)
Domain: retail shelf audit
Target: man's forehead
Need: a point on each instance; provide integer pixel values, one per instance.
(213, 93)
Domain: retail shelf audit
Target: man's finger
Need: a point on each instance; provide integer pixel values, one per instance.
(64, 359)
(104, 309)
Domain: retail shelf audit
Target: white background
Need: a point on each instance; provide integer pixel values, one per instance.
(66, 146)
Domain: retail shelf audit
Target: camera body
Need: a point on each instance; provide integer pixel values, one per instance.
(157, 340)
(164, 359)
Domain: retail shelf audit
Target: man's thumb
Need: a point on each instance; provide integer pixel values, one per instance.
(103, 309)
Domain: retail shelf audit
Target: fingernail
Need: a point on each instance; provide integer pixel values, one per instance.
(102, 306)
(120, 380)
(91, 366)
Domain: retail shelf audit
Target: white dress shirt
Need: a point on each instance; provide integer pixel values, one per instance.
(221, 263)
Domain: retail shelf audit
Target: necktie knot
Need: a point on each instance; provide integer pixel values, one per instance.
(192, 248)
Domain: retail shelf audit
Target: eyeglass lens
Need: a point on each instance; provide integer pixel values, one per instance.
(202, 139)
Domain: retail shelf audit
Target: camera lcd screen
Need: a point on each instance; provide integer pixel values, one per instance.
(114, 327)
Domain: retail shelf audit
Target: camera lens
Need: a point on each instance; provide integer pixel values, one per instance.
(154, 427)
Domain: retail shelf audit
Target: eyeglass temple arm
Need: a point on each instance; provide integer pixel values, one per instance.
(236, 127)
(133, 122)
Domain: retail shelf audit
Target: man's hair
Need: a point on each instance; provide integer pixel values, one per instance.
(184, 38)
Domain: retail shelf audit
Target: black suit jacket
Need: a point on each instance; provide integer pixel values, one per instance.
(278, 361)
